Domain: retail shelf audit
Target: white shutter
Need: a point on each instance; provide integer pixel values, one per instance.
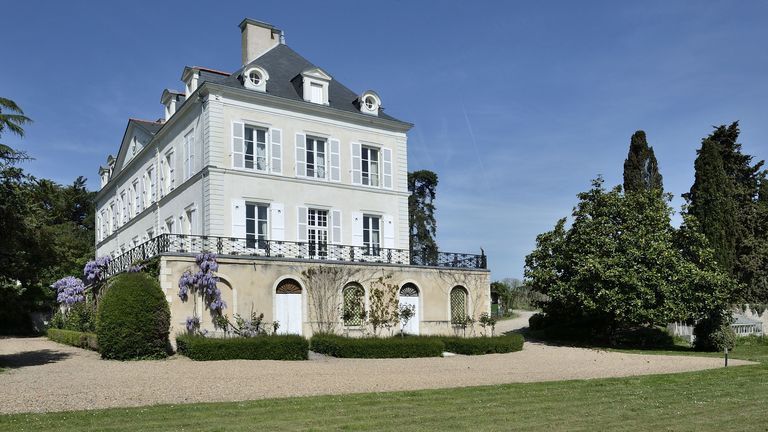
(238, 218)
(301, 232)
(357, 229)
(357, 164)
(276, 136)
(386, 162)
(153, 179)
(389, 231)
(277, 219)
(238, 149)
(336, 226)
(301, 155)
(335, 160)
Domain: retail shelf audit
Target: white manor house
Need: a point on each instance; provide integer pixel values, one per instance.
(278, 169)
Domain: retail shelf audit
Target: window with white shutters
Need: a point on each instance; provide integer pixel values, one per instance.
(276, 138)
(370, 166)
(255, 149)
(317, 232)
(189, 154)
(371, 235)
(256, 225)
(316, 157)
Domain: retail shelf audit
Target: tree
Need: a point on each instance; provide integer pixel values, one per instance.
(621, 265)
(641, 171)
(421, 216)
(12, 118)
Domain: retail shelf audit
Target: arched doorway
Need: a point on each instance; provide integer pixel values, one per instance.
(409, 295)
(288, 307)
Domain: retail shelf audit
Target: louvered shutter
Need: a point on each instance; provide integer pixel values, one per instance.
(386, 162)
(301, 231)
(238, 149)
(238, 218)
(357, 229)
(276, 137)
(301, 155)
(357, 164)
(389, 231)
(336, 226)
(277, 219)
(335, 160)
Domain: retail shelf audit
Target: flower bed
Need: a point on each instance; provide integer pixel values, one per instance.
(74, 338)
(391, 347)
(273, 347)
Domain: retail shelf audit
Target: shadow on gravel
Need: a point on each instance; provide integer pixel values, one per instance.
(32, 358)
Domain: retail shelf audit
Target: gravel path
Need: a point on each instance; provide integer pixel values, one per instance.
(46, 376)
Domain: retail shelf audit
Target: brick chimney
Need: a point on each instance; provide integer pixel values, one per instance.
(257, 38)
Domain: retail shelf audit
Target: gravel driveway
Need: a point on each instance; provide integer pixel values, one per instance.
(46, 376)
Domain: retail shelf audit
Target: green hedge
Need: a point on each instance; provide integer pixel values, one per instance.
(483, 345)
(392, 347)
(74, 338)
(274, 347)
(133, 319)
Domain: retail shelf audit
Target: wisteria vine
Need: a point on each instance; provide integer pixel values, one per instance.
(203, 283)
(69, 290)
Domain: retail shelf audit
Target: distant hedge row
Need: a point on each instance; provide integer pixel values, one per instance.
(74, 338)
(273, 347)
(412, 346)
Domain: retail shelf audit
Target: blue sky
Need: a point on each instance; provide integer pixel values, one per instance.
(516, 105)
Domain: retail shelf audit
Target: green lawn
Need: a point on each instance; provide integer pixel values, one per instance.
(731, 398)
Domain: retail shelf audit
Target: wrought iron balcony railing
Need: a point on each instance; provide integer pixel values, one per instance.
(193, 244)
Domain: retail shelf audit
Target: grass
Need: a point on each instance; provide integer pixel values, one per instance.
(721, 399)
(750, 348)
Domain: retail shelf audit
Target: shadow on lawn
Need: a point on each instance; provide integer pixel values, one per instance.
(541, 337)
(32, 358)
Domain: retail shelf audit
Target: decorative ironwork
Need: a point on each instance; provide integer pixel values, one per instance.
(193, 244)
(458, 304)
(409, 290)
(354, 305)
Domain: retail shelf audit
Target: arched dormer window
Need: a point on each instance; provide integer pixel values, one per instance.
(255, 78)
(370, 102)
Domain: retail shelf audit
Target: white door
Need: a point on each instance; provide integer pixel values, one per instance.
(288, 313)
(413, 324)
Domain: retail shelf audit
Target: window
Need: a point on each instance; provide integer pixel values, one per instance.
(135, 241)
(113, 211)
(191, 221)
(124, 207)
(135, 198)
(256, 225)
(371, 235)
(169, 225)
(458, 305)
(169, 172)
(370, 166)
(354, 305)
(189, 154)
(150, 234)
(315, 157)
(255, 148)
(317, 232)
(255, 77)
(316, 93)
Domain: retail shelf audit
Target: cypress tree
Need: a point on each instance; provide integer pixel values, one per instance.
(641, 170)
(711, 201)
(421, 216)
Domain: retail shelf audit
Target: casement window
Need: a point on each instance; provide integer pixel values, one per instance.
(256, 225)
(317, 232)
(191, 219)
(169, 226)
(169, 172)
(136, 198)
(135, 241)
(148, 194)
(189, 154)
(316, 157)
(370, 166)
(124, 208)
(150, 234)
(371, 235)
(113, 212)
(255, 151)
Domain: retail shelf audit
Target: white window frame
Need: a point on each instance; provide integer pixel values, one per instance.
(372, 236)
(189, 154)
(190, 216)
(317, 169)
(256, 239)
(124, 208)
(169, 173)
(318, 234)
(367, 175)
(254, 149)
(170, 225)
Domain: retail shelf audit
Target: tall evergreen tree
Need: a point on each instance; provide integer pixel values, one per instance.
(641, 170)
(421, 215)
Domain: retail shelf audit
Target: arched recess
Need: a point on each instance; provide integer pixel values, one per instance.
(409, 295)
(459, 304)
(288, 306)
(353, 311)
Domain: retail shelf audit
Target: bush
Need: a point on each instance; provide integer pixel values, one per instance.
(80, 318)
(714, 333)
(484, 345)
(537, 321)
(274, 347)
(643, 337)
(74, 338)
(392, 347)
(133, 319)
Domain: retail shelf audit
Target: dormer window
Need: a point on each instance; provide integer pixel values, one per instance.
(255, 78)
(370, 103)
(315, 86)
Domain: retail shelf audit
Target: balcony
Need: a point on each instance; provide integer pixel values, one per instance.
(272, 249)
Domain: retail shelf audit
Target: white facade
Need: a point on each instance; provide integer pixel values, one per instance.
(242, 163)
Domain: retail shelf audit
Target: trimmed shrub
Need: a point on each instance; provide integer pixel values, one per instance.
(484, 345)
(643, 337)
(273, 347)
(133, 319)
(74, 338)
(392, 347)
(537, 321)
(714, 333)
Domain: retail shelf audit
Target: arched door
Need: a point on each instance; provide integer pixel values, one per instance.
(288, 307)
(409, 295)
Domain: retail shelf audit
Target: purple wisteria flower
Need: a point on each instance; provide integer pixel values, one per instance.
(69, 290)
(94, 271)
(203, 283)
(138, 268)
(193, 323)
